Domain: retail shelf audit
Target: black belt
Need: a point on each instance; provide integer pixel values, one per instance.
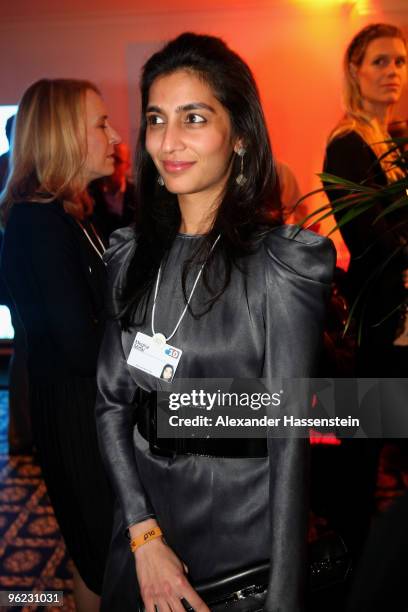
(205, 447)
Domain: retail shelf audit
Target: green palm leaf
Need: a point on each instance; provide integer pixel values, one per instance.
(358, 199)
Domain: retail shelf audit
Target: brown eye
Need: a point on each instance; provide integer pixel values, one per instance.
(195, 118)
(154, 120)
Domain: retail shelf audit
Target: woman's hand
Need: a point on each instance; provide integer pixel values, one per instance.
(162, 580)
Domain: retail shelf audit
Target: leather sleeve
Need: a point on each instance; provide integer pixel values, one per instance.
(115, 406)
(298, 278)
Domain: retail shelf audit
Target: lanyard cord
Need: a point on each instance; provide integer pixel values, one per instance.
(100, 253)
(189, 297)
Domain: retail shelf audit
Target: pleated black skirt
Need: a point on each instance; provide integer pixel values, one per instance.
(63, 418)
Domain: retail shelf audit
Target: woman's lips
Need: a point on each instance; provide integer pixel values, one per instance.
(176, 166)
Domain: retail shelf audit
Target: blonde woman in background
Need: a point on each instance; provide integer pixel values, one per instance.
(52, 264)
(374, 76)
(375, 73)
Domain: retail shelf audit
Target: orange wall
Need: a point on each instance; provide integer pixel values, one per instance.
(295, 52)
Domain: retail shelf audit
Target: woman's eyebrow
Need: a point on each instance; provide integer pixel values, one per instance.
(388, 55)
(183, 108)
(153, 109)
(194, 106)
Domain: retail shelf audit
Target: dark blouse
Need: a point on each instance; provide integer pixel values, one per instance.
(57, 281)
(221, 514)
(370, 244)
(350, 157)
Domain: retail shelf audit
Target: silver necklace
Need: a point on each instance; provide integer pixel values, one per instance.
(158, 337)
(99, 252)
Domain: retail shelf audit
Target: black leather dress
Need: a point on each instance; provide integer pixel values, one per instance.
(218, 514)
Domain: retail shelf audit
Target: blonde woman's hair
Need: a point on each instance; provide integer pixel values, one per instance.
(49, 147)
(355, 118)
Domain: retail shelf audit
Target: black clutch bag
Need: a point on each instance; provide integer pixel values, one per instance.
(329, 562)
(245, 590)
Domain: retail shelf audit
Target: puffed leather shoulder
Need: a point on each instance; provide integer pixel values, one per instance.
(122, 244)
(302, 252)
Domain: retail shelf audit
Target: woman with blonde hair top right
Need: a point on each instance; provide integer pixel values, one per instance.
(374, 75)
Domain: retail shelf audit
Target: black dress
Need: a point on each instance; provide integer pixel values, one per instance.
(57, 282)
(355, 463)
(216, 512)
(350, 157)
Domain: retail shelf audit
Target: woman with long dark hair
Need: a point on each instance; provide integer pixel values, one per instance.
(209, 278)
(52, 264)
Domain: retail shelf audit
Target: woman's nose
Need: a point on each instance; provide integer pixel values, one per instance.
(172, 138)
(394, 67)
(114, 137)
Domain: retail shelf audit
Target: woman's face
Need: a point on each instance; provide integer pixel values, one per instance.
(383, 72)
(189, 135)
(101, 138)
(167, 373)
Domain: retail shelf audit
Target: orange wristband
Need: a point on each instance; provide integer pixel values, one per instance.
(147, 536)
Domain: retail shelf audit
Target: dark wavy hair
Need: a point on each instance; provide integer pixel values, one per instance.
(244, 212)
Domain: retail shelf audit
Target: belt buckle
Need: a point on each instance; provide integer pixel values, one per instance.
(240, 594)
(248, 591)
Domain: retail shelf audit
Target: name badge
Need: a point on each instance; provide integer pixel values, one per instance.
(154, 357)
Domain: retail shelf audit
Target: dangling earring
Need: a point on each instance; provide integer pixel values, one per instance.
(241, 179)
(160, 180)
